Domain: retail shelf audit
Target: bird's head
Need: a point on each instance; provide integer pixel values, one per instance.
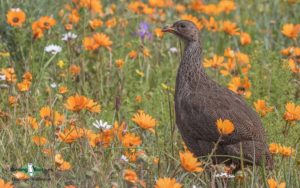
(184, 29)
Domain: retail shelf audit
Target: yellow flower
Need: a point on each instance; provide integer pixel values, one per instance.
(61, 64)
(140, 73)
(167, 183)
(143, 120)
(225, 127)
(189, 162)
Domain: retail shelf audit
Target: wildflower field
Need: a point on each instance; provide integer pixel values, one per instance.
(87, 90)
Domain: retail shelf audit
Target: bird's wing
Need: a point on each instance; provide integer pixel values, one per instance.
(203, 109)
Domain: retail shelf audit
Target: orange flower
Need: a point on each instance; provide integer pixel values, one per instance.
(75, 69)
(167, 183)
(211, 24)
(292, 112)
(24, 85)
(245, 38)
(27, 76)
(12, 100)
(39, 140)
(61, 163)
(146, 52)
(32, 122)
(102, 40)
(240, 86)
(230, 28)
(94, 5)
(76, 103)
(119, 63)
(111, 23)
(5, 185)
(286, 151)
(180, 8)
(143, 120)
(21, 175)
(273, 184)
(71, 134)
(132, 54)
(15, 17)
(274, 148)
(92, 106)
(291, 31)
(89, 43)
(225, 127)
(138, 99)
(160, 3)
(137, 7)
(261, 107)
(192, 19)
(10, 75)
(65, 166)
(63, 89)
(130, 176)
(189, 162)
(36, 30)
(74, 17)
(211, 9)
(95, 23)
(215, 62)
(158, 32)
(46, 22)
(129, 140)
(226, 6)
(295, 67)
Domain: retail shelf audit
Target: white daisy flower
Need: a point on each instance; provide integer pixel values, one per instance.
(2, 77)
(68, 36)
(53, 85)
(224, 175)
(102, 125)
(53, 49)
(173, 50)
(124, 158)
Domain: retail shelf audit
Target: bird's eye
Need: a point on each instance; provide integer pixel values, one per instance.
(182, 25)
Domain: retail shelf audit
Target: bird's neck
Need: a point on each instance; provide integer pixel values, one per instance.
(191, 70)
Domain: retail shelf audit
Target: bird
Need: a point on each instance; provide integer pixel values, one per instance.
(200, 102)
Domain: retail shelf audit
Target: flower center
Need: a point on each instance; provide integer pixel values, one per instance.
(241, 90)
(15, 20)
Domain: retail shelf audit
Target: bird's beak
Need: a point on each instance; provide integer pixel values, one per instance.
(169, 29)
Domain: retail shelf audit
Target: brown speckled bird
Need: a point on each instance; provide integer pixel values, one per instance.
(200, 102)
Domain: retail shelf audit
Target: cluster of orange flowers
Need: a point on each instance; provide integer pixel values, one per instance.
(292, 53)
(26, 83)
(41, 25)
(285, 151)
(50, 116)
(292, 32)
(274, 184)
